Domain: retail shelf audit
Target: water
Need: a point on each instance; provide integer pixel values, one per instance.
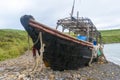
(112, 52)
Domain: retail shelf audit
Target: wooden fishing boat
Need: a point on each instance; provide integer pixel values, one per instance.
(61, 51)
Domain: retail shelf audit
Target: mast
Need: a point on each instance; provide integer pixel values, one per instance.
(72, 11)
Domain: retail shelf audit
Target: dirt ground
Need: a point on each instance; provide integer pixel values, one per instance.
(20, 67)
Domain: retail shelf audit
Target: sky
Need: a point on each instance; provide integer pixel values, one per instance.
(105, 14)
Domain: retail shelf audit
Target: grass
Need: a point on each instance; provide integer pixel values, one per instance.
(111, 36)
(12, 43)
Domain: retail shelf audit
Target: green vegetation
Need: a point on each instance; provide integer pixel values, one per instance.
(12, 43)
(111, 36)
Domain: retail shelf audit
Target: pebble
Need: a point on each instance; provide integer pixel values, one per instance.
(15, 69)
(2, 69)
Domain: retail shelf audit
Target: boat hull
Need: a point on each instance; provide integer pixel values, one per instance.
(59, 53)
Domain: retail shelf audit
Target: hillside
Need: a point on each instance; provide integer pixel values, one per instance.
(111, 36)
(12, 43)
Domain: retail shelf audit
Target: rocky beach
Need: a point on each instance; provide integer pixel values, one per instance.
(20, 67)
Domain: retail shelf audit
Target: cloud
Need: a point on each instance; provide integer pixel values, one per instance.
(2, 23)
(101, 12)
(13, 6)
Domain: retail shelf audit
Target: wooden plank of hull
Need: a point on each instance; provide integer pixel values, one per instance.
(61, 51)
(62, 54)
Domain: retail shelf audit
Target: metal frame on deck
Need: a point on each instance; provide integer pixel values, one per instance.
(80, 25)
